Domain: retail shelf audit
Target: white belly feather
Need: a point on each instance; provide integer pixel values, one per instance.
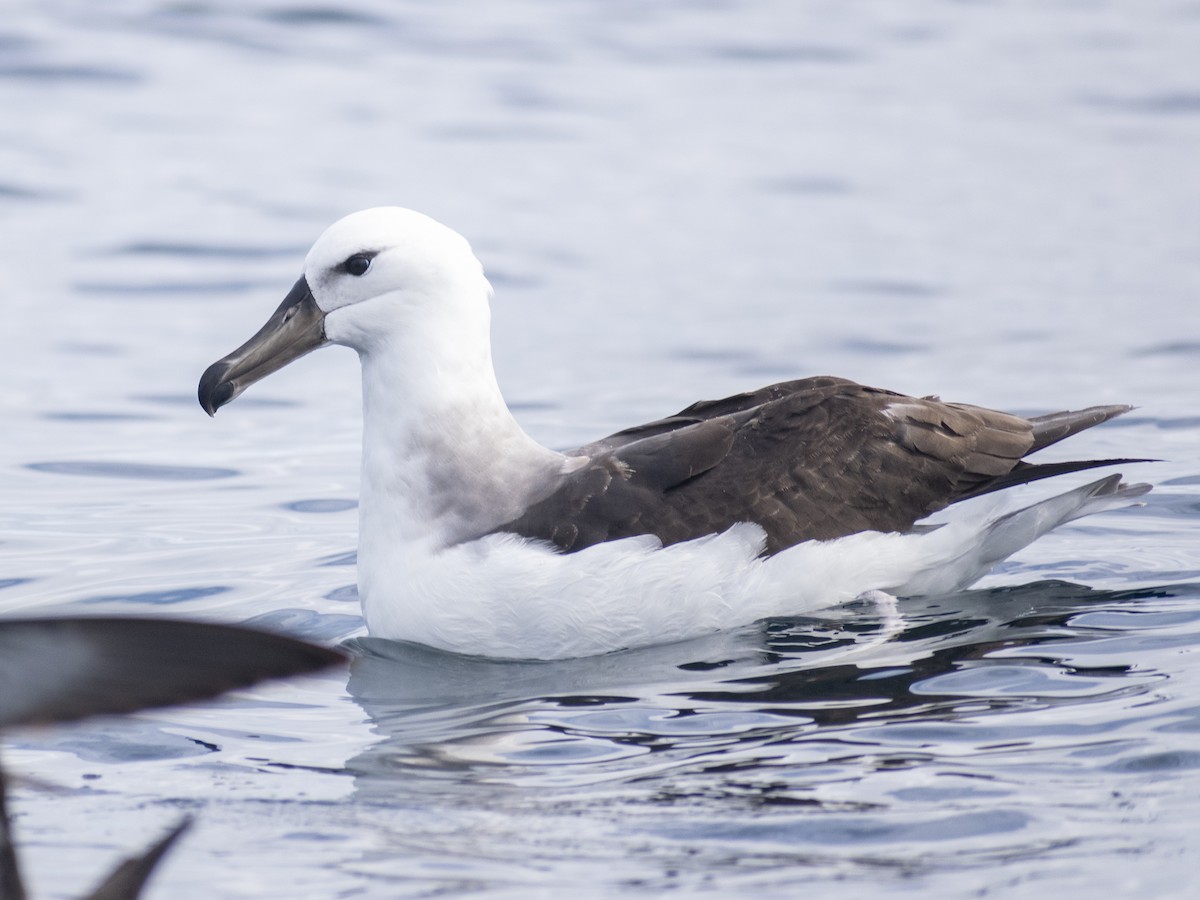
(506, 596)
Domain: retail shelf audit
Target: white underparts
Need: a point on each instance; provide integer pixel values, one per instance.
(506, 596)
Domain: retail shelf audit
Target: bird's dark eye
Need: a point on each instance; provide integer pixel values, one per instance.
(356, 264)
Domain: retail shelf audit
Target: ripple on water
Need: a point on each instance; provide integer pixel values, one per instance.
(328, 505)
(820, 54)
(207, 251)
(126, 740)
(888, 287)
(857, 830)
(1185, 480)
(340, 559)
(319, 16)
(1186, 721)
(1170, 348)
(1166, 103)
(551, 748)
(1171, 761)
(656, 722)
(307, 623)
(97, 417)
(10, 191)
(138, 471)
(1002, 680)
(50, 73)
(158, 288)
(161, 598)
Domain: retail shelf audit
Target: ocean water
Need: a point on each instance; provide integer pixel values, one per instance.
(994, 202)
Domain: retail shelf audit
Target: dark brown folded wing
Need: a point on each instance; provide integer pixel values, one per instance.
(816, 458)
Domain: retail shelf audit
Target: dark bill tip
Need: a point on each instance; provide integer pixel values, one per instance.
(214, 391)
(294, 329)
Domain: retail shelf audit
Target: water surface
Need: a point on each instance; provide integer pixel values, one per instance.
(994, 203)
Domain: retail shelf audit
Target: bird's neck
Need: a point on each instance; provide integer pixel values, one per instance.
(443, 458)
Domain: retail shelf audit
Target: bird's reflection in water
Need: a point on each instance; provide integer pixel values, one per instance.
(731, 701)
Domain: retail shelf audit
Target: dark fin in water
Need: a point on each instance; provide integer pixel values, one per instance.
(128, 879)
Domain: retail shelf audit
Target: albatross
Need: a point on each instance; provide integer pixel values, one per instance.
(785, 500)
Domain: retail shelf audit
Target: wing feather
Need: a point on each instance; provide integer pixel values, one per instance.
(815, 458)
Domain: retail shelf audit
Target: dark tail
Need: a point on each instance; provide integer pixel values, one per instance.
(1023, 473)
(1050, 429)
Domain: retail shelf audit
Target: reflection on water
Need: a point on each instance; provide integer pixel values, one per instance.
(832, 744)
(778, 681)
(132, 470)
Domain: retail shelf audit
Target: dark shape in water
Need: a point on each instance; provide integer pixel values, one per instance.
(128, 878)
(62, 670)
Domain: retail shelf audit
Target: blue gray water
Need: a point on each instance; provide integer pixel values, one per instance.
(995, 202)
